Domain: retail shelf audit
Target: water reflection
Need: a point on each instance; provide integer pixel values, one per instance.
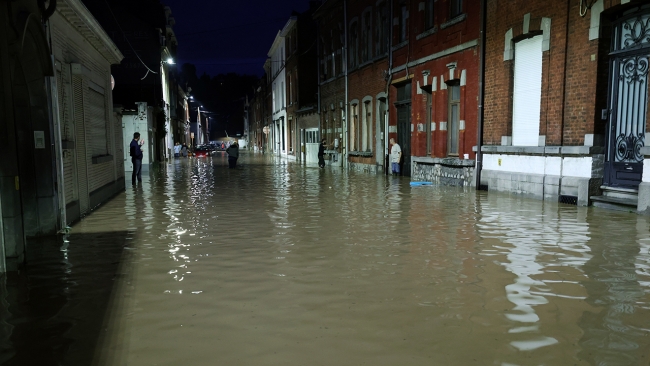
(275, 263)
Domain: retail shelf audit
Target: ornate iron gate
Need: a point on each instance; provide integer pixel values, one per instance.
(628, 98)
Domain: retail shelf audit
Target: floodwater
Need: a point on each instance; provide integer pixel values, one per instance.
(275, 263)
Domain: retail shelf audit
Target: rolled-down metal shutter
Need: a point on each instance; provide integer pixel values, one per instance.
(96, 129)
(80, 145)
(66, 135)
(527, 93)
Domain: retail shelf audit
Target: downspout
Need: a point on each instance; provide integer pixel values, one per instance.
(47, 12)
(481, 97)
(318, 67)
(55, 125)
(388, 83)
(347, 110)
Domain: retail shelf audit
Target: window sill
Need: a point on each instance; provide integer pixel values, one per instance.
(543, 150)
(102, 159)
(427, 33)
(360, 153)
(453, 21)
(399, 45)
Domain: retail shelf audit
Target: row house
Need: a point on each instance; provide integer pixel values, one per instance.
(284, 110)
(368, 44)
(301, 85)
(434, 88)
(259, 105)
(332, 78)
(61, 136)
(276, 73)
(402, 70)
(566, 112)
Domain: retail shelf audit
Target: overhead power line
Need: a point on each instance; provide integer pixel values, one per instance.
(128, 42)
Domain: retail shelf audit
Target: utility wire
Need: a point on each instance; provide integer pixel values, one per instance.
(129, 43)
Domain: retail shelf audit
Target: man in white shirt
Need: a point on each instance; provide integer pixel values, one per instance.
(395, 156)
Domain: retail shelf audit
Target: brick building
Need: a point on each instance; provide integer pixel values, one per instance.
(367, 55)
(435, 87)
(301, 82)
(566, 86)
(332, 77)
(388, 66)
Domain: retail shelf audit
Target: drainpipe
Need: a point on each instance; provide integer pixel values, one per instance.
(318, 57)
(481, 98)
(388, 82)
(47, 12)
(345, 54)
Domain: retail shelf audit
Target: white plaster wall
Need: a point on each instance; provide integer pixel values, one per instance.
(646, 171)
(514, 163)
(577, 167)
(546, 165)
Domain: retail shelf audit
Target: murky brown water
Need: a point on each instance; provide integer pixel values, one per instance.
(278, 264)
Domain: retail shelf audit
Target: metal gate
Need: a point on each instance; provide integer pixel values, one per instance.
(628, 98)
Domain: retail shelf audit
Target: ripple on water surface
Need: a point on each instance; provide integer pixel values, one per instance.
(277, 263)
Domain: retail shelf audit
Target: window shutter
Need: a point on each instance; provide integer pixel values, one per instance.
(527, 92)
(97, 123)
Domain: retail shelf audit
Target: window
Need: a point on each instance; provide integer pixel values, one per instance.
(282, 91)
(325, 125)
(290, 91)
(382, 28)
(354, 127)
(428, 122)
(366, 127)
(527, 92)
(453, 91)
(323, 63)
(402, 24)
(354, 45)
(366, 37)
(428, 14)
(455, 8)
(295, 88)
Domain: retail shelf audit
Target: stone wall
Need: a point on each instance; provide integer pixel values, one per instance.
(445, 171)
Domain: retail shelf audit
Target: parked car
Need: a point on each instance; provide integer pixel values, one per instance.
(202, 151)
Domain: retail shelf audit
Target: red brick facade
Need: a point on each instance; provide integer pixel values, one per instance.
(575, 69)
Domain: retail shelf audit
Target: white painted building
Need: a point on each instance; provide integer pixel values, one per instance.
(90, 130)
(278, 129)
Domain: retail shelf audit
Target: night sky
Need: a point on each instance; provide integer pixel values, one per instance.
(222, 36)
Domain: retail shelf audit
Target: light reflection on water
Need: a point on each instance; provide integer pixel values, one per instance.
(275, 263)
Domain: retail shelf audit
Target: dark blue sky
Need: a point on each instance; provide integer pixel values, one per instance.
(221, 36)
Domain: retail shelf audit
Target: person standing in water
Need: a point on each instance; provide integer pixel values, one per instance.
(233, 154)
(395, 156)
(321, 154)
(136, 157)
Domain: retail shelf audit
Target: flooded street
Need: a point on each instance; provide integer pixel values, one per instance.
(275, 263)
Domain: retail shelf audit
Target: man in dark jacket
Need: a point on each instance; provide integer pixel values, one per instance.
(321, 154)
(233, 154)
(136, 157)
